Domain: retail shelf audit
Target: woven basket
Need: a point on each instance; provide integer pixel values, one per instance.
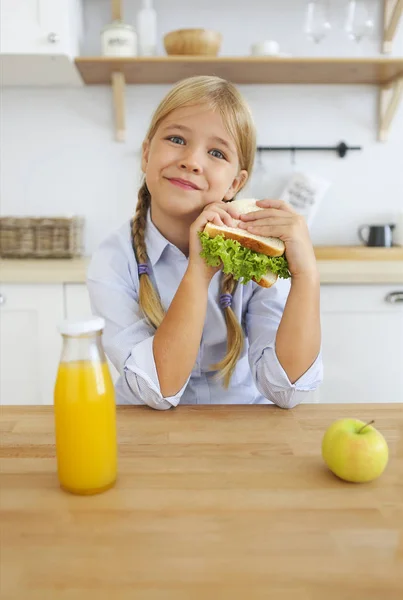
(41, 237)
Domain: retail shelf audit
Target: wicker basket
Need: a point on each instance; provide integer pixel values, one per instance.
(41, 237)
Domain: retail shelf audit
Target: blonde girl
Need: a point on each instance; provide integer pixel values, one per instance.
(177, 330)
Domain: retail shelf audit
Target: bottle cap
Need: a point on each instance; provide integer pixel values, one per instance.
(74, 327)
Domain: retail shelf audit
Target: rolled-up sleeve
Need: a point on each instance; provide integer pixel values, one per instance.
(128, 338)
(263, 317)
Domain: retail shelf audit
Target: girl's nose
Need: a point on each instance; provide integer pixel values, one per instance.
(190, 163)
(191, 167)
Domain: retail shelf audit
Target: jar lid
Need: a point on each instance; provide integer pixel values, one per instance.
(90, 325)
(117, 24)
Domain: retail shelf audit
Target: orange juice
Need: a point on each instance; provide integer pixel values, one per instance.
(85, 419)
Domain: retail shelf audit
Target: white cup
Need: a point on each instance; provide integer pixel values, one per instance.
(265, 48)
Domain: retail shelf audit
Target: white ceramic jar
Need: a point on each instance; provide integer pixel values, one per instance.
(119, 39)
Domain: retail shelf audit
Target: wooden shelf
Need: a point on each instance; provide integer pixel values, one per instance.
(386, 73)
(359, 253)
(243, 70)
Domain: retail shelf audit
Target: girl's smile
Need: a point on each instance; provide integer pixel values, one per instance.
(184, 184)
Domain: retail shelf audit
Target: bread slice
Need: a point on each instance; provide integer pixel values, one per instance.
(245, 205)
(269, 246)
(267, 280)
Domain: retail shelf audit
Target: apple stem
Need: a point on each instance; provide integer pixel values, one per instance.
(366, 425)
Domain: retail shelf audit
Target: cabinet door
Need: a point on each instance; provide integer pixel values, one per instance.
(30, 343)
(40, 26)
(362, 333)
(78, 307)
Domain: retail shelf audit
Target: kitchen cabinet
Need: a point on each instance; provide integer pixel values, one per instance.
(41, 27)
(30, 343)
(39, 40)
(362, 338)
(362, 341)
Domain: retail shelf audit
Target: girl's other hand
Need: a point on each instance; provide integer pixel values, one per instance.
(279, 220)
(219, 214)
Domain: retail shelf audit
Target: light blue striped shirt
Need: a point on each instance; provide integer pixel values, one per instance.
(113, 284)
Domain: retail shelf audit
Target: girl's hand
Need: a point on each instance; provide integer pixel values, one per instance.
(218, 213)
(279, 220)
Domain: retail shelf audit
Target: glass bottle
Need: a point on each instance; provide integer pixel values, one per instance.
(85, 411)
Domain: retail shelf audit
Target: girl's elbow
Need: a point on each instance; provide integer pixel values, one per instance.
(292, 398)
(286, 399)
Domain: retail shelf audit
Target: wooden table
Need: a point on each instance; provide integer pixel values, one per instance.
(212, 503)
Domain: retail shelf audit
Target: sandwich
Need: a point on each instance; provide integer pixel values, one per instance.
(244, 255)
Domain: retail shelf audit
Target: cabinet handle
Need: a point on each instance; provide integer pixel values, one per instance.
(394, 297)
(2, 299)
(53, 38)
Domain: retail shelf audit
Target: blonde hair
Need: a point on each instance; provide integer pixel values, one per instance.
(222, 96)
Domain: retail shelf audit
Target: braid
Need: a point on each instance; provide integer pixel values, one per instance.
(149, 300)
(235, 337)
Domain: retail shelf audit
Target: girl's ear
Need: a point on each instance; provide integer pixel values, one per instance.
(236, 185)
(145, 150)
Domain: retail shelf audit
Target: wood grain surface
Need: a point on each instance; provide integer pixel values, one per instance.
(359, 253)
(243, 69)
(350, 266)
(212, 502)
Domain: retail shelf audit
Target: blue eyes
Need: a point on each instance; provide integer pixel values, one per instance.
(217, 152)
(175, 139)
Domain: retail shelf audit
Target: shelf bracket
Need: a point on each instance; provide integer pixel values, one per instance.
(116, 10)
(118, 87)
(118, 84)
(389, 99)
(392, 12)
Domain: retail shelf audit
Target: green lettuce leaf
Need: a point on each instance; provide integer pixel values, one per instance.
(244, 264)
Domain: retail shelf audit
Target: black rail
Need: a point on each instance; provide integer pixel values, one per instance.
(341, 149)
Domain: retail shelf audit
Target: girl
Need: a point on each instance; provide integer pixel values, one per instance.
(176, 329)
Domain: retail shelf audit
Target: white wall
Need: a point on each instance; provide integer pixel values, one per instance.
(58, 154)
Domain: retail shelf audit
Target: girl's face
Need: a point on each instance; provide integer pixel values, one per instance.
(191, 161)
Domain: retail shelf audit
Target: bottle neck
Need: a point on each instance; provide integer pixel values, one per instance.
(83, 348)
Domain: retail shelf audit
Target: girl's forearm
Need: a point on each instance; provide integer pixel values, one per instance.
(299, 334)
(177, 339)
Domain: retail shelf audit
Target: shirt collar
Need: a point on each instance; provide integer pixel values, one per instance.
(155, 241)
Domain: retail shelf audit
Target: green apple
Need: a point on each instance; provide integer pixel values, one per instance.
(354, 450)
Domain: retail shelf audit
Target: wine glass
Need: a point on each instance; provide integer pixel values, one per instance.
(317, 20)
(359, 22)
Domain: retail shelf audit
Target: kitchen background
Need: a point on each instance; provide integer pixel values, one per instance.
(59, 155)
